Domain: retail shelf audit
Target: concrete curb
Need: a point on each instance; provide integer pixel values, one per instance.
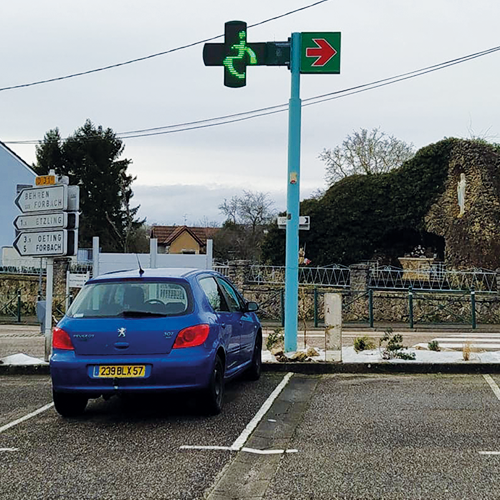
(319, 368)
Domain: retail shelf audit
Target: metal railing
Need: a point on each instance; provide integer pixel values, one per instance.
(436, 278)
(332, 276)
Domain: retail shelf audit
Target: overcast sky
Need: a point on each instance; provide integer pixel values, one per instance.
(182, 177)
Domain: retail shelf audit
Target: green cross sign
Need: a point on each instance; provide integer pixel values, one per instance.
(320, 52)
(235, 54)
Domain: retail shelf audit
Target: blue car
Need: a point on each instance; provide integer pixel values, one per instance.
(154, 330)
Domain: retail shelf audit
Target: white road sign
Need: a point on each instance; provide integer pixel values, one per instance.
(55, 220)
(43, 199)
(304, 222)
(42, 243)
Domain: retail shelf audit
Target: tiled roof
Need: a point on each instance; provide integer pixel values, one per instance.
(166, 234)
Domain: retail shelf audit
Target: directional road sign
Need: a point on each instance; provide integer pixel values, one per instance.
(54, 220)
(304, 222)
(43, 199)
(320, 52)
(46, 243)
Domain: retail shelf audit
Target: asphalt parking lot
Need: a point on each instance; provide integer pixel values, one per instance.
(332, 436)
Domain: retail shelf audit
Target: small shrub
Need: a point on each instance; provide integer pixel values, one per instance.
(466, 350)
(394, 347)
(433, 345)
(274, 338)
(363, 343)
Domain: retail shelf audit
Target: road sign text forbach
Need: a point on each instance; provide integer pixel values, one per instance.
(306, 53)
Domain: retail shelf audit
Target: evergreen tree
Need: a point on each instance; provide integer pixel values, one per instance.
(90, 158)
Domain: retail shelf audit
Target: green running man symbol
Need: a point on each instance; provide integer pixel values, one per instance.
(242, 50)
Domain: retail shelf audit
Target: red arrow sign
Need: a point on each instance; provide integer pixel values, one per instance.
(324, 52)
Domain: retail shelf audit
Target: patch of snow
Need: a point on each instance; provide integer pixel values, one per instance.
(349, 355)
(21, 359)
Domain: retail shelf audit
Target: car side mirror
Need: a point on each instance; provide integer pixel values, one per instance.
(252, 307)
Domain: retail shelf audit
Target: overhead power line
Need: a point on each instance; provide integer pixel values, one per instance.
(279, 108)
(157, 54)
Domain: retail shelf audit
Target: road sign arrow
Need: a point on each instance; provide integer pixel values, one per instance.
(323, 52)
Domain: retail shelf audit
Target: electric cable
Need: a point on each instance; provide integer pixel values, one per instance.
(269, 110)
(151, 56)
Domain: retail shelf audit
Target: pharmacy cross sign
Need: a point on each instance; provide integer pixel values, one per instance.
(236, 53)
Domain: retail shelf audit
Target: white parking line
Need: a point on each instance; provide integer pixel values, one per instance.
(268, 452)
(9, 449)
(188, 447)
(489, 452)
(26, 417)
(238, 444)
(241, 440)
(494, 387)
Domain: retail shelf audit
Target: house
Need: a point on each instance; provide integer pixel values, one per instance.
(182, 239)
(14, 172)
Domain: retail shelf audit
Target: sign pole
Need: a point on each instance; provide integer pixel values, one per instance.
(293, 201)
(48, 307)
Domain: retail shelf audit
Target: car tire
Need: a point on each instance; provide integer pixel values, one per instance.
(255, 368)
(214, 393)
(69, 405)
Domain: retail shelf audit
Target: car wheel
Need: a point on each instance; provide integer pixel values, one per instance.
(69, 405)
(253, 372)
(214, 393)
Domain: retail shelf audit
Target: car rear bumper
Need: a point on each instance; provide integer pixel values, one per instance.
(179, 371)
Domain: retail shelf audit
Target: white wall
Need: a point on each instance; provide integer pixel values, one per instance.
(13, 171)
(109, 262)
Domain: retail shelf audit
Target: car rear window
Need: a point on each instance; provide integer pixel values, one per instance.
(131, 298)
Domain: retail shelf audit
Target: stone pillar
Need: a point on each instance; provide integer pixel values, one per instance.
(359, 275)
(333, 327)
(61, 266)
(239, 271)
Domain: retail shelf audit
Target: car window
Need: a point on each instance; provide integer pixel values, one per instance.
(214, 294)
(232, 295)
(116, 298)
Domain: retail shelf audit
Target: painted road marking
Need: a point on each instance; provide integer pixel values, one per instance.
(26, 417)
(241, 440)
(489, 452)
(238, 444)
(268, 452)
(9, 449)
(188, 447)
(494, 387)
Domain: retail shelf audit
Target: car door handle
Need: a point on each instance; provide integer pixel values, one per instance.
(122, 345)
(223, 325)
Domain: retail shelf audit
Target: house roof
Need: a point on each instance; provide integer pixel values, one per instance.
(4, 146)
(167, 234)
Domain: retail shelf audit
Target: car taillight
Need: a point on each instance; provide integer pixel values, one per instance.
(61, 340)
(192, 336)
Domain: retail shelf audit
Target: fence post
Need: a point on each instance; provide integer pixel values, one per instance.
(473, 307)
(410, 305)
(315, 307)
(19, 306)
(282, 307)
(370, 307)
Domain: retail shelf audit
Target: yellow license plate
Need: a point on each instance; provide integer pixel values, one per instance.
(121, 371)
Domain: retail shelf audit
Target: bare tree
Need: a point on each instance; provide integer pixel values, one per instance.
(365, 153)
(251, 209)
(246, 219)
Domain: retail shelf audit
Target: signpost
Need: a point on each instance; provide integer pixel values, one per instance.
(48, 228)
(309, 52)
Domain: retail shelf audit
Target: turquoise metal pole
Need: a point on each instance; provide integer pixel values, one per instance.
(293, 202)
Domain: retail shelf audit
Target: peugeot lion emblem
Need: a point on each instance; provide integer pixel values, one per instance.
(121, 332)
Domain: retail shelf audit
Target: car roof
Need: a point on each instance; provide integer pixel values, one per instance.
(164, 272)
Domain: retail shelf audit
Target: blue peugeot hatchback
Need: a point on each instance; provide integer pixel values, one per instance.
(154, 330)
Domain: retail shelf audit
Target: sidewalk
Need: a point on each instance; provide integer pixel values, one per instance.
(22, 350)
